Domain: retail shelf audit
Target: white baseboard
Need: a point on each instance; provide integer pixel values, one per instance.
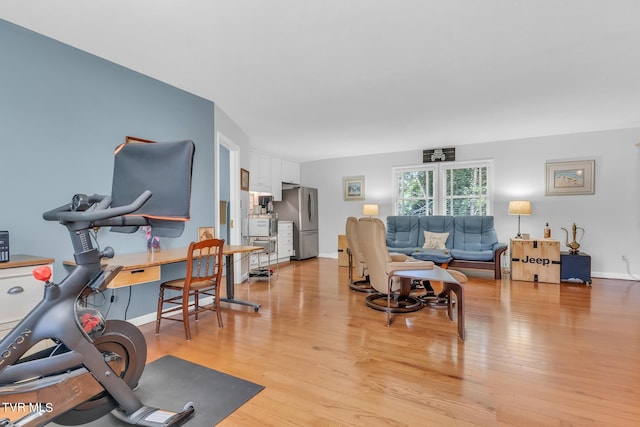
(605, 275)
(331, 255)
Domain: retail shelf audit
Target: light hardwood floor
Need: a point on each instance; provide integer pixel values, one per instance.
(535, 354)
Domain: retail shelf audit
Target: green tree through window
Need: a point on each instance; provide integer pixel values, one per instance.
(414, 192)
(466, 191)
(458, 188)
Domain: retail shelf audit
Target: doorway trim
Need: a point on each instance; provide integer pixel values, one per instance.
(235, 231)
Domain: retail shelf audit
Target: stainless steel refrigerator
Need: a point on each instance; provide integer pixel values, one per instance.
(300, 205)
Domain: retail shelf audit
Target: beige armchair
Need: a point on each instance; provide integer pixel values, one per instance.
(391, 275)
(357, 266)
(392, 293)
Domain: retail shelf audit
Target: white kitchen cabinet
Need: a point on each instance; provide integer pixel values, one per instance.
(290, 172)
(268, 173)
(260, 179)
(276, 179)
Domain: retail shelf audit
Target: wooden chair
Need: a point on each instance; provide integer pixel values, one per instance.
(203, 278)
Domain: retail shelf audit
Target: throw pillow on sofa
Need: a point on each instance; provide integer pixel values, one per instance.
(435, 240)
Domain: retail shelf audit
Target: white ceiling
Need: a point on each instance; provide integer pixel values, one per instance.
(314, 79)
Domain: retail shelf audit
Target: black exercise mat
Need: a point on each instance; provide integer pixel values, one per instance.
(170, 382)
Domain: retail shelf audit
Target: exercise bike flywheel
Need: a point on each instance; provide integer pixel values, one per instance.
(125, 351)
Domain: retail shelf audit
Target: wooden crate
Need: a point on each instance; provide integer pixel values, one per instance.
(535, 260)
(343, 257)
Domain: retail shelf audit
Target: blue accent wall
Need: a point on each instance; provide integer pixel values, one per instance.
(62, 113)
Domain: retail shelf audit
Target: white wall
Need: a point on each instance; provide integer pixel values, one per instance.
(230, 130)
(611, 217)
(225, 125)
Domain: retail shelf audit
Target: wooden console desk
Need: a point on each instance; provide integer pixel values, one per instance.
(144, 267)
(25, 261)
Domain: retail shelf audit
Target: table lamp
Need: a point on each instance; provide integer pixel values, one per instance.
(519, 207)
(370, 210)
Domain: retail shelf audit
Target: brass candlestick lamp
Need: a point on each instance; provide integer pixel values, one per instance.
(519, 207)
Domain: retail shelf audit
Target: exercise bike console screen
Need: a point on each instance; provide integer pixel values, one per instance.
(165, 169)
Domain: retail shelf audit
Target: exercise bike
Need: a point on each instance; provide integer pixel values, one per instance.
(95, 364)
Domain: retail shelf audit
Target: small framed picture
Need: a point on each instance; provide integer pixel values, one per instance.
(353, 187)
(570, 178)
(205, 233)
(244, 180)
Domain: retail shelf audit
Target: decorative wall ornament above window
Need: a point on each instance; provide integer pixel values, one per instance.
(439, 155)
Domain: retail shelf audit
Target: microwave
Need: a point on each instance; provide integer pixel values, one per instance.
(263, 226)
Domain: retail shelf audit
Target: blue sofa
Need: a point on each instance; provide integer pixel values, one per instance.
(472, 241)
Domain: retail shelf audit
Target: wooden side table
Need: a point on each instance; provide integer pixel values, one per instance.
(577, 266)
(535, 260)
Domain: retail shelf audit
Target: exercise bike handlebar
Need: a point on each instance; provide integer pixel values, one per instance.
(101, 210)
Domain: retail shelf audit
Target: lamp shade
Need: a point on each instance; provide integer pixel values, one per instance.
(370, 210)
(520, 207)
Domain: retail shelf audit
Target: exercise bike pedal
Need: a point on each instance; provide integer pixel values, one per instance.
(148, 416)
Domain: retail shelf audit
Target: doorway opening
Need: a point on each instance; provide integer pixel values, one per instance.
(227, 194)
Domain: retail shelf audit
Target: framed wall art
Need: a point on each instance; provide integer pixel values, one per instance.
(244, 179)
(570, 178)
(353, 187)
(205, 233)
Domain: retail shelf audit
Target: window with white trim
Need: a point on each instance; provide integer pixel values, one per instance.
(448, 188)
(414, 190)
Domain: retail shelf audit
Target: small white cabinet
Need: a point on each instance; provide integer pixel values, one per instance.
(285, 240)
(19, 290)
(20, 293)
